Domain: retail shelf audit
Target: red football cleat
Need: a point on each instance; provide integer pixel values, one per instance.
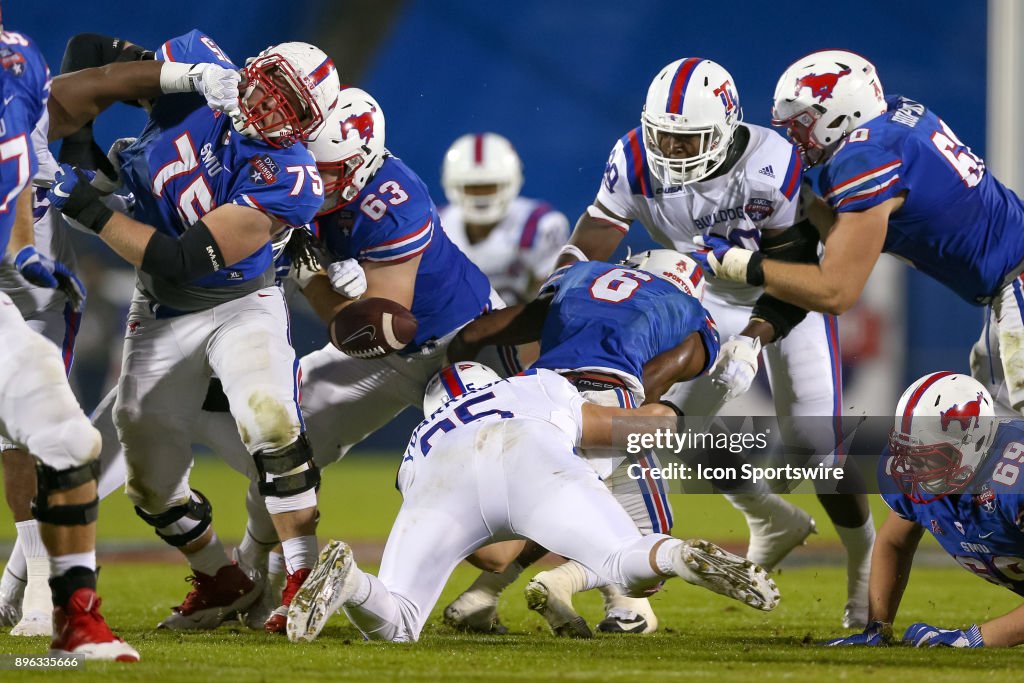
(212, 599)
(79, 629)
(278, 621)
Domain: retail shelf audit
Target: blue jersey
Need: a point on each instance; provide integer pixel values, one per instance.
(605, 317)
(24, 87)
(189, 160)
(393, 219)
(958, 224)
(983, 531)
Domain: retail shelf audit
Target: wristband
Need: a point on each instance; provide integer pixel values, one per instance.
(755, 270)
(177, 77)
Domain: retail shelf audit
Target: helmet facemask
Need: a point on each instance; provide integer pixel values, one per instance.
(713, 145)
(928, 472)
(284, 110)
(484, 203)
(345, 186)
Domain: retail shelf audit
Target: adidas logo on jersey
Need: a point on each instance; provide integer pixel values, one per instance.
(768, 171)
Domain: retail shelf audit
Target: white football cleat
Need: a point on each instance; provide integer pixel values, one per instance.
(331, 582)
(34, 624)
(550, 595)
(704, 564)
(773, 538)
(475, 612)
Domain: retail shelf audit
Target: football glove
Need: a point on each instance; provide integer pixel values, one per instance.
(926, 635)
(347, 278)
(737, 365)
(726, 261)
(217, 85)
(74, 196)
(103, 181)
(876, 633)
(43, 271)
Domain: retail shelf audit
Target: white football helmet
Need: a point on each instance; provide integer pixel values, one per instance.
(351, 146)
(482, 159)
(942, 431)
(300, 70)
(454, 381)
(824, 96)
(673, 266)
(690, 97)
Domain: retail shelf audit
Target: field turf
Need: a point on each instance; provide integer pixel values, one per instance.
(703, 636)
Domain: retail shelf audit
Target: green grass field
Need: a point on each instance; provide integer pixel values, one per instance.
(702, 637)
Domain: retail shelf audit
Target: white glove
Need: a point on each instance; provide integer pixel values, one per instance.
(219, 86)
(737, 365)
(347, 278)
(104, 183)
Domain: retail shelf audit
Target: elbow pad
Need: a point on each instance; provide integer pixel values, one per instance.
(797, 244)
(781, 315)
(179, 261)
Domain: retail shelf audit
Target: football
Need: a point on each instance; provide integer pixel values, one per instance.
(372, 328)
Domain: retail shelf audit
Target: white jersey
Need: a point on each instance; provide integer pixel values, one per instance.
(760, 192)
(534, 395)
(522, 246)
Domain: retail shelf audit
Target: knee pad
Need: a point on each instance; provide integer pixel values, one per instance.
(287, 471)
(181, 524)
(50, 480)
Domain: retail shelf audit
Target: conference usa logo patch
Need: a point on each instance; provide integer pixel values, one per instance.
(12, 61)
(264, 170)
(986, 499)
(758, 208)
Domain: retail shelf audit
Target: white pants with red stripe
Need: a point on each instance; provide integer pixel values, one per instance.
(59, 324)
(997, 359)
(646, 499)
(804, 370)
(493, 481)
(165, 374)
(38, 411)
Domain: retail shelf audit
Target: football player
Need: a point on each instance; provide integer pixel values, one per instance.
(600, 324)
(899, 180)
(953, 469)
(38, 412)
(382, 237)
(691, 169)
(514, 240)
(28, 278)
(502, 461)
(212, 188)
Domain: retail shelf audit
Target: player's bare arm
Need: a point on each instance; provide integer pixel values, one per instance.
(22, 232)
(678, 364)
(891, 560)
(597, 234)
(394, 281)
(79, 97)
(519, 324)
(833, 286)
(597, 421)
